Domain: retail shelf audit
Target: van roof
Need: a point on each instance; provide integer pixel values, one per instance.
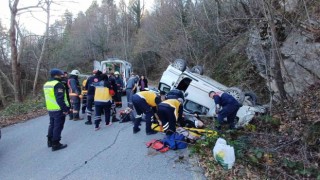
(115, 60)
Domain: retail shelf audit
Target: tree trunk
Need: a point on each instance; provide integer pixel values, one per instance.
(7, 79)
(15, 65)
(276, 57)
(48, 2)
(2, 96)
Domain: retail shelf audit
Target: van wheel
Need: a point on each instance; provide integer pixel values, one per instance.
(251, 97)
(180, 64)
(236, 93)
(198, 70)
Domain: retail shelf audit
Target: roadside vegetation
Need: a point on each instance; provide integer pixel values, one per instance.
(31, 108)
(284, 145)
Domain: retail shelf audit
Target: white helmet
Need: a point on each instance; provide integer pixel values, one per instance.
(116, 73)
(75, 72)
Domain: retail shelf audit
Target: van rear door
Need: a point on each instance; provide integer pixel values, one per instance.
(97, 65)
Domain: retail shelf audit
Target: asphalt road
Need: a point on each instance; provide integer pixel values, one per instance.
(113, 152)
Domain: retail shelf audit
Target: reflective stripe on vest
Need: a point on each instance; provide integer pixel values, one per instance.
(149, 97)
(175, 104)
(51, 101)
(102, 94)
(71, 93)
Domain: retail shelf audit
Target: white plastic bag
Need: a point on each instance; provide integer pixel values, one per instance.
(224, 154)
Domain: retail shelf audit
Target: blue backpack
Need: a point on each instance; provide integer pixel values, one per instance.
(175, 141)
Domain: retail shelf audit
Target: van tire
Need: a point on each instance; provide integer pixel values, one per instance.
(198, 70)
(252, 97)
(180, 64)
(236, 93)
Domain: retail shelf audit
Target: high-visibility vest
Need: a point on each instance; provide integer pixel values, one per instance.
(51, 101)
(84, 91)
(102, 93)
(175, 104)
(149, 97)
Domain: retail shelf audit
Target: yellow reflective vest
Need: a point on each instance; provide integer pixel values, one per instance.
(175, 104)
(149, 97)
(51, 101)
(102, 93)
(84, 90)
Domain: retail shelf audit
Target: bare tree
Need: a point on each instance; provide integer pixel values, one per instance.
(47, 9)
(15, 64)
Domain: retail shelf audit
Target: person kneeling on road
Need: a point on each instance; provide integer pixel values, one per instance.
(170, 112)
(226, 107)
(57, 106)
(102, 101)
(145, 102)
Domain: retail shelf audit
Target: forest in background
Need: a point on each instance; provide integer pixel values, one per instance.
(227, 37)
(270, 47)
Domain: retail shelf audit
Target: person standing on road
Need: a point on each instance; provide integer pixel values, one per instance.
(118, 95)
(103, 101)
(75, 94)
(145, 102)
(113, 86)
(226, 107)
(84, 93)
(143, 83)
(57, 106)
(90, 86)
(131, 87)
(65, 83)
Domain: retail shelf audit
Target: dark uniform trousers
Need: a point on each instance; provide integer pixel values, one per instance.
(57, 119)
(99, 108)
(166, 115)
(84, 103)
(90, 102)
(141, 106)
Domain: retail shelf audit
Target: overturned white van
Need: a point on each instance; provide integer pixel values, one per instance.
(196, 88)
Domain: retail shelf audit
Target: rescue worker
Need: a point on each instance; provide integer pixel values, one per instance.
(102, 101)
(130, 88)
(112, 81)
(65, 83)
(145, 102)
(84, 92)
(75, 94)
(118, 95)
(57, 106)
(226, 107)
(90, 86)
(170, 113)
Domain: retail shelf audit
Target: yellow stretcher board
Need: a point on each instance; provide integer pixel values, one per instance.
(193, 131)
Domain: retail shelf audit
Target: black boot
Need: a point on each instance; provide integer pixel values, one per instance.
(56, 145)
(136, 125)
(149, 131)
(115, 119)
(88, 122)
(77, 117)
(71, 116)
(49, 143)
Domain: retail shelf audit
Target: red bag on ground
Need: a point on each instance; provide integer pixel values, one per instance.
(157, 145)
